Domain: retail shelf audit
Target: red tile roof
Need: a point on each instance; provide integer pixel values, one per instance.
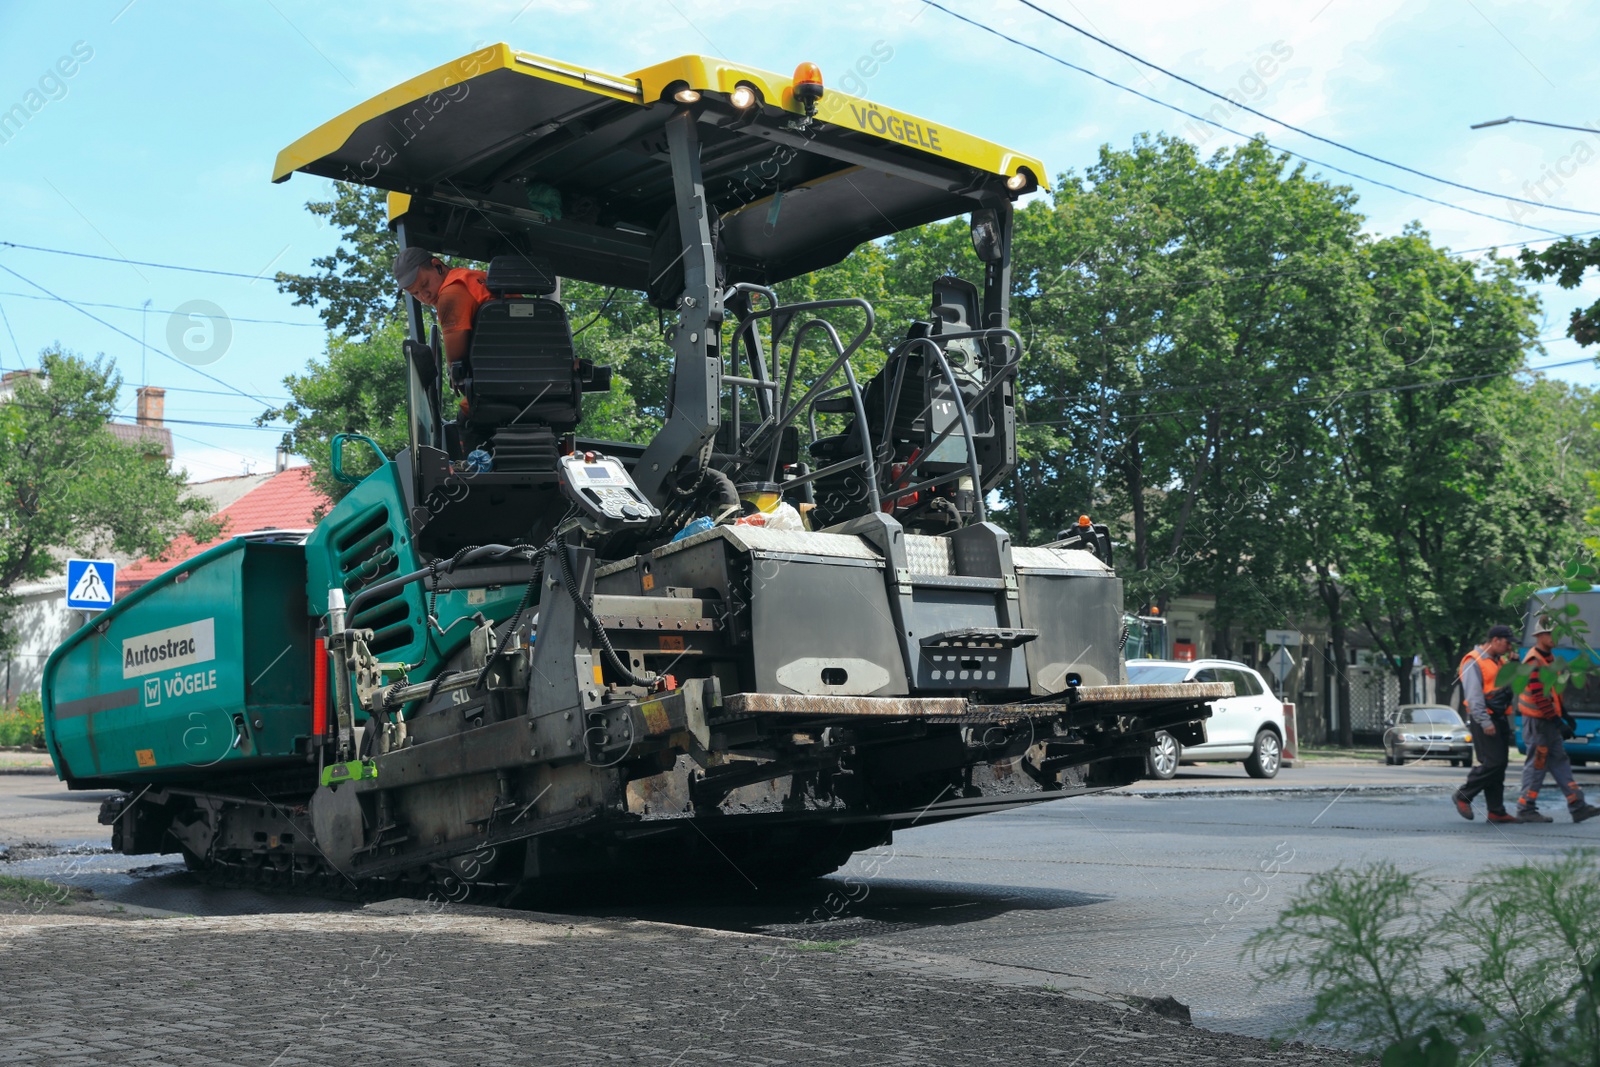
(286, 501)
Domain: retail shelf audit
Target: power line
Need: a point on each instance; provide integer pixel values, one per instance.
(114, 415)
(216, 425)
(132, 262)
(203, 270)
(1329, 397)
(1298, 129)
(1046, 292)
(162, 311)
(219, 448)
(1228, 129)
(20, 361)
(129, 336)
(214, 392)
(1524, 244)
(1265, 380)
(110, 416)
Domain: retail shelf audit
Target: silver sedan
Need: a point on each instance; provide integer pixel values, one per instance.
(1427, 731)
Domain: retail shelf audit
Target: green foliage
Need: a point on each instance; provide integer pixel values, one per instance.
(1566, 628)
(23, 723)
(1514, 972)
(1566, 261)
(353, 289)
(36, 893)
(617, 329)
(67, 483)
(1355, 938)
(357, 386)
(1455, 492)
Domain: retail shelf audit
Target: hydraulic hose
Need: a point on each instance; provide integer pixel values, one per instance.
(493, 553)
(599, 631)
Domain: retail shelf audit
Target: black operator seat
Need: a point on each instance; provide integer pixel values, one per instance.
(521, 367)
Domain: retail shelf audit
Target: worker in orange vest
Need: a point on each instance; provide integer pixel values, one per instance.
(1541, 713)
(1487, 707)
(456, 292)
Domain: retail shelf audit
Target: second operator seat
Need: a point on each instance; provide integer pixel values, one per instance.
(524, 383)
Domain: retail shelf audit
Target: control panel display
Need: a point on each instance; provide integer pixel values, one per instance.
(604, 491)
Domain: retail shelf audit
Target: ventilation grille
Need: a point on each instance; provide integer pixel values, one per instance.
(366, 556)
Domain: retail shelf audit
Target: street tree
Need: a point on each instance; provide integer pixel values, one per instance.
(68, 485)
(1566, 261)
(1454, 488)
(353, 288)
(1182, 314)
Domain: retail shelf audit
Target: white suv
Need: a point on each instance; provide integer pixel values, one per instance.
(1247, 726)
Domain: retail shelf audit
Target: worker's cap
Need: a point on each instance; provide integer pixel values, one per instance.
(1501, 631)
(1543, 625)
(407, 263)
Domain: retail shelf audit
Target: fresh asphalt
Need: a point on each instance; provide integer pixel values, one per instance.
(1152, 889)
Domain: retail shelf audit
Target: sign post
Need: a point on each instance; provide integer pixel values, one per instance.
(91, 584)
(1281, 663)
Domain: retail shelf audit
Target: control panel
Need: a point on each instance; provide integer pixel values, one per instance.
(604, 491)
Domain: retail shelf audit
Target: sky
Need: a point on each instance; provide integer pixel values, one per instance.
(158, 145)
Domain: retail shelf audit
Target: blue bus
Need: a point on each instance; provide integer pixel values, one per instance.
(1583, 704)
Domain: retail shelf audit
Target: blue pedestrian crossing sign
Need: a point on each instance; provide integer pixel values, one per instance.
(91, 584)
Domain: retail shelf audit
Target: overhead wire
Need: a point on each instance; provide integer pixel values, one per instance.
(219, 425)
(1264, 379)
(1144, 416)
(134, 262)
(150, 348)
(1289, 125)
(605, 300)
(216, 392)
(219, 448)
(112, 415)
(1228, 129)
(1229, 279)
(161, 311)
(7, 318)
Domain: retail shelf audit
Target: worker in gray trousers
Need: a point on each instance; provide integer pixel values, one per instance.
(1541, 713)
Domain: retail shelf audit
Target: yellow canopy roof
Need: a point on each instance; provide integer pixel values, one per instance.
(504, 151)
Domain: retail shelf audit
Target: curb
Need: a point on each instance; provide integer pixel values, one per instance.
(1282, 790)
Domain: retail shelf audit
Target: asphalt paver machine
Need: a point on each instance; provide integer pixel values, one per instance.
(739, 652)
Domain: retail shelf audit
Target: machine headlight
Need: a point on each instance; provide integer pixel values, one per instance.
(1408, 737)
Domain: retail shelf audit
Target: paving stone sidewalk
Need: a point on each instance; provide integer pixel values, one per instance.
(405, 982)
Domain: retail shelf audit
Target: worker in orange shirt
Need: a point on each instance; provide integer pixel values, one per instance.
(455, 292)
(1486, 705)
(1541, 735)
